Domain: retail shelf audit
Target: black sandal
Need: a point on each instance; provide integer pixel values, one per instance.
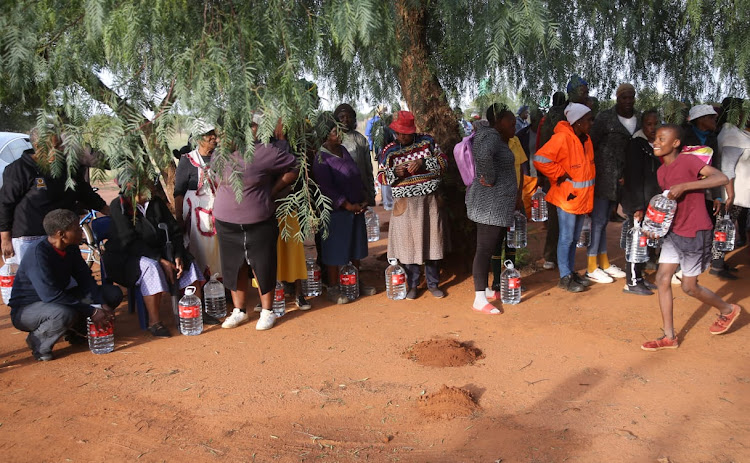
(158, 330)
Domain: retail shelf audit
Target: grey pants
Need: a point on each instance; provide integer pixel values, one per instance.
(47, 322)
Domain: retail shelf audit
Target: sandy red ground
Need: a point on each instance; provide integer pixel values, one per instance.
(562, 379)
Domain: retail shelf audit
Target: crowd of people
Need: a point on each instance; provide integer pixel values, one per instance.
(586, 163)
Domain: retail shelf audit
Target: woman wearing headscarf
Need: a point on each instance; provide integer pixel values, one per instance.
(339, 178)
(567, 160)
(358, 147)
(492, 197)
(414, 165)
(136, 251)
(194, 194)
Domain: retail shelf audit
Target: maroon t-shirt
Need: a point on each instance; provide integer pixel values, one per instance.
(691, 214)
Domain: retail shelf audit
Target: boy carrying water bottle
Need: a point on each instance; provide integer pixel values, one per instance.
(688, 243)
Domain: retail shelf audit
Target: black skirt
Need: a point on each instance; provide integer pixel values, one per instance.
(253, 244)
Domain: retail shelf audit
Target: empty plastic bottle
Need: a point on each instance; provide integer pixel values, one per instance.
(395, 281)
(636, 250)
(517, 232)
(510, 284)
(626, 226)
(279, 300)
(585, 239)
(724, 233)
(659, 214)
(312, 287)
(191, 313)
(349, 281)
(101, 341)
(215, 297)
(7, 277)
(372, 223)
(539, 206)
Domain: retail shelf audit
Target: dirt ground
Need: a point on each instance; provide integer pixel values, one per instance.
(557, 378)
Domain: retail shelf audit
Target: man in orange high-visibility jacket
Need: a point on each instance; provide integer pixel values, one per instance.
(567, 159)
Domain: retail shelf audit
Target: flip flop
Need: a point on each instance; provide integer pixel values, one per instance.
(495, 296)
(488, 309)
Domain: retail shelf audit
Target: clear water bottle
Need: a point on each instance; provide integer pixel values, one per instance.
(624, 233)
(101, 341)
(7, 277)
(510, 284)
(372, 222)
(637, 245)
(349, 281)
(517, 232)
(191, 313)
(724, 233)
(585, 239)
(279, 300)
(539, 206)
(659, 214)
(395, 281)
(312, 286)
(215, 297)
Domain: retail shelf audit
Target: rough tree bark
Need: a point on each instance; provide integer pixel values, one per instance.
(432, 113)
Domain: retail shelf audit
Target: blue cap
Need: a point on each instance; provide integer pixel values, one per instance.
(575, 82)
(522, 109)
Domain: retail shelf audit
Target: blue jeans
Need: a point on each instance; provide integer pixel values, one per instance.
(599, 220)
(386, 194)
(570, 230)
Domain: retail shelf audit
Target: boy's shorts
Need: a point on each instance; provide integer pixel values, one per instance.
(693, 254)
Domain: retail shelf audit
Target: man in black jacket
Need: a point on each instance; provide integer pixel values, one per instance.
(28, 194)
(42, 303)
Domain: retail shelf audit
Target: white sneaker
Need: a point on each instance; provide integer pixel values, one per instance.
(266, 320)
(677, 278)
(237, 318)
(599, 276)
(548, 265)
(614, 271)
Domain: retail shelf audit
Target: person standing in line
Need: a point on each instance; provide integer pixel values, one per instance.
(522, 120)
(567, 160)
(640, 186)
(610, 135)
(357, 146)
(734, 145)
(414, 166)
(492, 198)
(688, 242)
(577, 92)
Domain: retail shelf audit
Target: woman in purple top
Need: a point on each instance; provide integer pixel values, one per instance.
(339, 178)
(248, 229)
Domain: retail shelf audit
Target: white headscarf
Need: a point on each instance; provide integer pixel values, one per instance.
(575, 111)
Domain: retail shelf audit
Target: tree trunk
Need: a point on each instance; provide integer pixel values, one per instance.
(432, 114)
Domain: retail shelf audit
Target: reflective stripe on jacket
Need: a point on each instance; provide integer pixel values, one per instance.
(564, 153)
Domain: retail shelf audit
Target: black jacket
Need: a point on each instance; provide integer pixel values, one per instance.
(129, 241)
(641, 183)
(28, 195)
(610, 139)
(44, 275)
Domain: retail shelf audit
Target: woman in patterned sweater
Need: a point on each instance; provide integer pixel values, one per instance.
(414, 165)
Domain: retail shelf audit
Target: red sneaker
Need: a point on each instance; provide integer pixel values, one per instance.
(724, 322)
(662, 343)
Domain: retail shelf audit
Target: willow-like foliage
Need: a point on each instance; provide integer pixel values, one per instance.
(146, 63)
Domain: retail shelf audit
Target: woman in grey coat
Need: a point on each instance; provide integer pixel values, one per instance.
(491, 198)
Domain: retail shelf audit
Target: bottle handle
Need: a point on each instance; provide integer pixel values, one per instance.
(508, 264)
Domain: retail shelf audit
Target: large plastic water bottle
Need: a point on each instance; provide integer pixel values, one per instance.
(517, 232)
(7, 277)
(625, 232)
(349, 281)
(279, 300)
(510, 284)
(312, 287)
(215, 297)
(585, 239)
(395, 281)
(636, 250)
(659, 214)
(372, 223)
(101, 341)
(724, 233)
(191, 313)
(539, 206)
